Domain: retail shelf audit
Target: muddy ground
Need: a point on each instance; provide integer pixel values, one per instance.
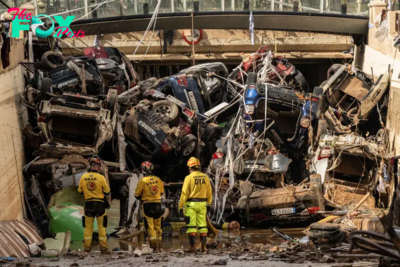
(168, 259)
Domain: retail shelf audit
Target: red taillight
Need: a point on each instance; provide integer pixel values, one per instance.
(42, 119)
(305, 122)
(313, 210)
(218, 155)
(185, 129)
(325, 153)
(188, 112)
(165, 147)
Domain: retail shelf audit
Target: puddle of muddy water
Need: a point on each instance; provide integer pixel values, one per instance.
(254, 235)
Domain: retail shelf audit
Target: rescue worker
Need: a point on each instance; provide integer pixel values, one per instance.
(94, 187)
(196, 197)
(149, 190)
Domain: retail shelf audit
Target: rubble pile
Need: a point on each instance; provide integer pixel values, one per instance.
(278, 152)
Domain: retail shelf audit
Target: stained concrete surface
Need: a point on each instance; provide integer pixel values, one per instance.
(163, 260)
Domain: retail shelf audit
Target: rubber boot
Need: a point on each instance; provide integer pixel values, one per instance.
(154, 245)
(192, 242)
(159, 241)
(88, 249)
(104, 251)
(203, 239)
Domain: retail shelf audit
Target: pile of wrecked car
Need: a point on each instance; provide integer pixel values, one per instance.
(277, 152)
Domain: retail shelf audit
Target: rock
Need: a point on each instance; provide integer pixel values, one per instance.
(327, 259)
(74, 264)
(178, 251)
(22, 263)
(137, 252)
(258, 245)
(146, 250)
(221, 262)
(275, 249)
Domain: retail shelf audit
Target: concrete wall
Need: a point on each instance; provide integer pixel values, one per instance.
(12, 119)
(220, 45)
(380, 57)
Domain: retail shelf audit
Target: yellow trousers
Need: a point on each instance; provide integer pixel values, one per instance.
(88, 233)
(153, 227)
(196, 217)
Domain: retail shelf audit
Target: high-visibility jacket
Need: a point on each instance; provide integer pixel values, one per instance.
(196, 188)
(150, 189)
(94, 186)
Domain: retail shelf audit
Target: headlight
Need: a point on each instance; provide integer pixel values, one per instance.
(249, 109)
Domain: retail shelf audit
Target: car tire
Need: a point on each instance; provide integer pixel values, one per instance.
(333, 69)
(53, 60)
(112, 101)
(188, 145)
(45, 86)
(323, 83)
(116, 59)
(41, 165)
(301, 80)
(167, 110)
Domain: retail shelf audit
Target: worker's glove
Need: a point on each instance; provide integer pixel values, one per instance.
(181, 213)
(208, 209)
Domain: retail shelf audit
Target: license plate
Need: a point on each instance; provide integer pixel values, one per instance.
(193, 102)
(176, 101)
(283, 211)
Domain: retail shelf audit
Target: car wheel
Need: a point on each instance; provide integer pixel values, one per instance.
(41, 165)
(167, 110)
(112, 101)
(53, 60)
(188, 145)
(301, 80)
(323, 83)
(333, 69)
(45, 86)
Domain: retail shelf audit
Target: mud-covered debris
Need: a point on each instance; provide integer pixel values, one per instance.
(327, 259)
(137, 252)
(221, 262)
(178, 251)
(74, 264)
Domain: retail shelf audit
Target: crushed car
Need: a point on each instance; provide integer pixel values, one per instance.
(115, 67)
(291, 205)
(77, 121)
(204, 89)
(353, 98)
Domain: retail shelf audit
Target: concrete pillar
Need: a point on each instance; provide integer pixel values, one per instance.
(246, 6)
(94, 13)
(145, 8)
(296, 6)
(196, 6)
(344, 7)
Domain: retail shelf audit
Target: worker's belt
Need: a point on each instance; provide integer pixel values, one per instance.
(95, 199)
(196, 200)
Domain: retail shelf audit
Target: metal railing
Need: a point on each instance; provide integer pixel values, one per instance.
(114, 8)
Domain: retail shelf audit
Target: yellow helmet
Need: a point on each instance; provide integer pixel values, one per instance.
(193, 162)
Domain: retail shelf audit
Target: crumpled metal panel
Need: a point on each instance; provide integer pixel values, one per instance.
(13, 233)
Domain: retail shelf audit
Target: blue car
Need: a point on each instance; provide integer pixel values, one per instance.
(202, 88)
(291, 112)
